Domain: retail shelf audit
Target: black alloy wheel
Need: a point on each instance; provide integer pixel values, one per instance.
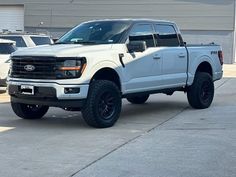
(201, 93)
(103, 104)
(106, 105)
(206, 92)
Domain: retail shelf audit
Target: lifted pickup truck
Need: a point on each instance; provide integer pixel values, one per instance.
(96, 64)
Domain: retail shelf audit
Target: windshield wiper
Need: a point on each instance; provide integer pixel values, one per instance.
(76, 42)
(84, 42)
(61, 43)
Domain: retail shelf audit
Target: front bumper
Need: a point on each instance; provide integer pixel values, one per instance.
(50, 102)
(49, 94)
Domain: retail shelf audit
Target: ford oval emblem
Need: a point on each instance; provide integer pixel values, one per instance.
(29, 67)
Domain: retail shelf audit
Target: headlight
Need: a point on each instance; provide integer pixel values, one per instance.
(70, 68)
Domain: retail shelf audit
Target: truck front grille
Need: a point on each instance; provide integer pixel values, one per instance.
(33, 67)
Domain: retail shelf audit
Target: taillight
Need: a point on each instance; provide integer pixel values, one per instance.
(221, 57)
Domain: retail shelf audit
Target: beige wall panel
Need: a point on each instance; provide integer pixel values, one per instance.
(189, 14)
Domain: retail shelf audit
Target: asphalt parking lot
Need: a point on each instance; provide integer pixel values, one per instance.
(163, 138)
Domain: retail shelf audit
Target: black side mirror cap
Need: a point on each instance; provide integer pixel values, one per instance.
(136, 46)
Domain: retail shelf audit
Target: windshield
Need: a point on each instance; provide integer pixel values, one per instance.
(105, 32)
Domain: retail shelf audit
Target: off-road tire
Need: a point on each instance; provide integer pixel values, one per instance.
(26, 111)
(138, 99)
(201, 93)
(103, 104)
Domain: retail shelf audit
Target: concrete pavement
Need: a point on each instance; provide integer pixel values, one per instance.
(162, 138)
(194, 143)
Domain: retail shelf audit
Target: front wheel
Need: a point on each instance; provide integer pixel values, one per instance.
(201, 93)
(103, 105)
(28, 111)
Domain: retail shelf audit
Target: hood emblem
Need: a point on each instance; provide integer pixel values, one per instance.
(29, 67)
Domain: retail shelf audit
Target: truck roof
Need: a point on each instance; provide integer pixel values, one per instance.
(134, 20)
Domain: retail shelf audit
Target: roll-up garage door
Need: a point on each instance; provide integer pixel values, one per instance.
(11, 18)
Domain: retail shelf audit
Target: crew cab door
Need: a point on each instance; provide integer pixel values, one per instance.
(174, 66)
(143, 69)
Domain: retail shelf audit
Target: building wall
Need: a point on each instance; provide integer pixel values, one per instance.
(200, 20)
(190, 14)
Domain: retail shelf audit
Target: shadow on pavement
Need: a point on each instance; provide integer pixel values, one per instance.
(56, 118)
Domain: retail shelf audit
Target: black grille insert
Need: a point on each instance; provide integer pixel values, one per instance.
(43, 67)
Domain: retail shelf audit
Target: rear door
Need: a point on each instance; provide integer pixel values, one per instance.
(174, 54)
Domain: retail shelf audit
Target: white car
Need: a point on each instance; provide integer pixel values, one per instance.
(96, 64)
(6, 48)
(27, 40)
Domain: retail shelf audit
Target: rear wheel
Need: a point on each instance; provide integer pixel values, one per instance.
(201, 93)
(138, 99)
(27, 111)
(103, 105)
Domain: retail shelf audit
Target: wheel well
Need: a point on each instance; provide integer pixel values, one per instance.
(107, 74)
(205, 67)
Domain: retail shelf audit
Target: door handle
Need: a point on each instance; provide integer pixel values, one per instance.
(182, 55)
(156, 57)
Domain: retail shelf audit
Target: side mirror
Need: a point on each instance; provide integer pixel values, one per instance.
(136, 46)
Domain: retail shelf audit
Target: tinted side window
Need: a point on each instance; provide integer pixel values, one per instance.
(41, 40)
(142, 33)
(19, 40)
(6, 49)
(166, 36)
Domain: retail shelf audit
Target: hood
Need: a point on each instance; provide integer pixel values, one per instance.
(61, 50)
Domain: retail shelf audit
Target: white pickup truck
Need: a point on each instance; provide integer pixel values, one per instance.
(96, 64)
